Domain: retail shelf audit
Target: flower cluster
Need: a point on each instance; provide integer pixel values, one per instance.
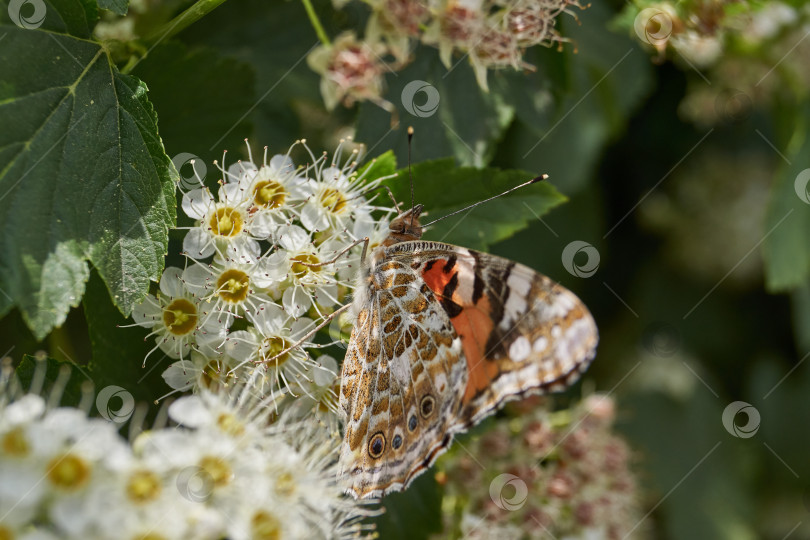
(492, 34)
(751, 53)
(268, 257)
(230, 469)
(544, 474)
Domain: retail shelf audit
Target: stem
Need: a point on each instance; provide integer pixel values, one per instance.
(316, 23)
(196, 12)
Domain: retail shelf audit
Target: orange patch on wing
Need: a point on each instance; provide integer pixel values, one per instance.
(474, 326)
(436, 278)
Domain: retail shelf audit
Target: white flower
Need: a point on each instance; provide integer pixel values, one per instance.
(338, 193)
(179, 320)
(274, 331)
(224, 225)
(200, 372)
(301, 262)
(229, 286)
(276, 190)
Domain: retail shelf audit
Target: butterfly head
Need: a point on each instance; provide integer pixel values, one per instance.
(406, 226)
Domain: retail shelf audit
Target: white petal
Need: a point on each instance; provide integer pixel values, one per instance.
(282, 164)
(199, 279)
(301, 327)
(25, 409)
(232, 194)
(180, 375)
(198, 243)
(147, 312)
(296, 301)
(241, 346)
(326, 295)
(171, 283)
(269, 319)
(313, 217)
(263, 225)
(197, 202)
(293, 237)
(331, 174)
(190, 411)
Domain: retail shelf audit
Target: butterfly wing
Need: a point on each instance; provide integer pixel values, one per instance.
(403, 380)
(521, 332)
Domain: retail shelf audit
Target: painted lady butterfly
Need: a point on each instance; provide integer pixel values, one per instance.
(443, 337)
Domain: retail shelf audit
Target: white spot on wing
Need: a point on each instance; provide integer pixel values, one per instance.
(520, 349)
(540, 344)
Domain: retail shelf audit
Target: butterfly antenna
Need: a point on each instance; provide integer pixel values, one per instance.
(524, 184)
(410, 174)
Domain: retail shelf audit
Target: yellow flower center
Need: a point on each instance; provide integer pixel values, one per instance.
(143, 487)
(333, 200)
(15, 444)
(301, 262)
(272, 346)
(5, 533)
(150, 536)
(229, 424)
(227, 221)
(180, 317)
(68, 472)
(269, 194)
(214, 374)
(233, 286)
(285, 484)
(219, 470)
(265, 526)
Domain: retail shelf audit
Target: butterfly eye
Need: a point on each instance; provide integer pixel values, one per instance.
(376, 445)
(412, 422)
(397, 442)
(426, 407)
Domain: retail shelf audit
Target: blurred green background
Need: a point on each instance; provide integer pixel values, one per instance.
(701, 292)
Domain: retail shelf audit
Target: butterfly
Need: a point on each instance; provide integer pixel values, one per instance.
(443, 336)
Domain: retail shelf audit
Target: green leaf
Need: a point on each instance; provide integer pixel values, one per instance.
(70, 376)
(382, 165)
(412, 514)
(119, 7)
(74, 17)
(118, 353)
(445, 188)
(201, 98)
(786, 247)
(83, 174)
(800, 303)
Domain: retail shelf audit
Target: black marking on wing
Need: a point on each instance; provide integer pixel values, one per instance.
(429, 265)
(448, 266)
(449, 306)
